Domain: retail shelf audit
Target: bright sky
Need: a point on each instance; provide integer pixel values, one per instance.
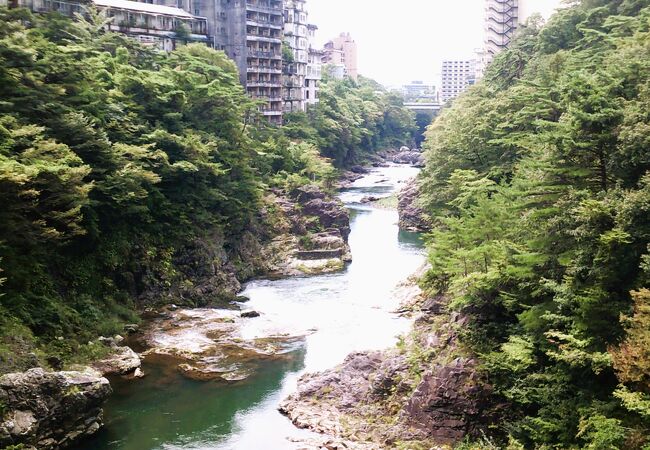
(405, 40)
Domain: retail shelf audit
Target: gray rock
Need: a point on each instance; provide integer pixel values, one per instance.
(51, 410)
(249, 314)
(412, 216)
(122, 361)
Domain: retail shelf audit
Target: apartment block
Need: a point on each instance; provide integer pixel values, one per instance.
(157, 25)
(457, 76)
(341, 54)
(501, 22)
(314, 72)
(255, 43)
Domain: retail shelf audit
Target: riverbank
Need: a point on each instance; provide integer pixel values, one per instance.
(305, 323)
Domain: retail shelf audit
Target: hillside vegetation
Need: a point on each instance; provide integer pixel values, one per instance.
(538, 181)
(118, 161)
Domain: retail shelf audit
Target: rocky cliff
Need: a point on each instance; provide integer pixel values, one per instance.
(412, 216)
(50, 410)
(425, 392)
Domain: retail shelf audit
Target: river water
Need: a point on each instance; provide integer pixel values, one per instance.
(344, 312)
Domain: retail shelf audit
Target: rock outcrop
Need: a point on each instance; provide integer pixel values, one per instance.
(425, 394)
(407, 156)
(50, 410)
(412, 217)
(121, 361)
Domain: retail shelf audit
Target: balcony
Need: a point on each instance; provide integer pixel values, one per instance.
(258, 38)
(263, 69)
(264, 54)
(275, 10)
(270, 84)
(263, 23)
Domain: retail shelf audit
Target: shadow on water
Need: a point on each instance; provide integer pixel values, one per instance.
(165, 409)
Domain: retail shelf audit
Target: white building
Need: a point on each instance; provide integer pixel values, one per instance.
(314, 69)
(503, 18)
(457, 75)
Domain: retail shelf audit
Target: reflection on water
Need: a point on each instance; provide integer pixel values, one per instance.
(343, 312)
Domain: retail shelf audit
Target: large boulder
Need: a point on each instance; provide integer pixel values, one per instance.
(121, 361)
(50, 410)
(412, 217)
(412, 157)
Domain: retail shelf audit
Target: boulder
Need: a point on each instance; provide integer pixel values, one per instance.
(359, 169)
(122, 361)
(409, 157)
(412, 217)
(250, 314)
(50, 410)
(308, 192)
(448, 402)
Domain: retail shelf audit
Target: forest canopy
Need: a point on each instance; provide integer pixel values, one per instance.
(538, 181)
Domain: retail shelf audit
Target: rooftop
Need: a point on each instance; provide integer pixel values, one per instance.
(145, 7)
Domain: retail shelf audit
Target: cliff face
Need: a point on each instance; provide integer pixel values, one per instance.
(411, 215)
(303, 232)
(50, 410)
(425, 392)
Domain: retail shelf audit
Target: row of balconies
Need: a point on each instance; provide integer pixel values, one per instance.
(272, 7)
(263, 69)
(253, 21)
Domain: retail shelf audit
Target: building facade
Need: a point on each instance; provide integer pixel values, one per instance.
(314, 74)
(457, 76)
(295, 64)
(341, 55)
(501, 22)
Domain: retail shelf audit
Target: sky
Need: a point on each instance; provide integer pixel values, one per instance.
(404, 40)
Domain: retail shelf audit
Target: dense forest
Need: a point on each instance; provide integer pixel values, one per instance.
(114, 156)
(537, 179)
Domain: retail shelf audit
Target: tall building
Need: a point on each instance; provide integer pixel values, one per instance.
(295, 63)
(501, 22)
(255, 44)
(314, 68)
(342, 51)
(503, 18)
(457, 75)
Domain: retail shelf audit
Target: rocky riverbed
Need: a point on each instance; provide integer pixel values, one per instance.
(422, 394)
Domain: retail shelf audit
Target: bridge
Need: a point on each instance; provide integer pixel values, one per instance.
(424, 108)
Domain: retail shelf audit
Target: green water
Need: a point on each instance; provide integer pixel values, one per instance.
(350, 311)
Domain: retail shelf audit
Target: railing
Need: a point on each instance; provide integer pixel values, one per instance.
(263, 84)
(263, 54)
(263, 69)
(265, 9)
(263, 23)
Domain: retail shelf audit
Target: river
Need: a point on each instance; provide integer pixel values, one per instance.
(348, 311)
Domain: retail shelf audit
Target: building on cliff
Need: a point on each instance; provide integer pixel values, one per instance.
(248, 31)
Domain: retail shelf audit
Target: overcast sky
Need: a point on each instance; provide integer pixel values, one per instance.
(404, 40)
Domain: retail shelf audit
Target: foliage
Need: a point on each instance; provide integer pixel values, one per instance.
(115, 157)
(353, 120)
(537, 180)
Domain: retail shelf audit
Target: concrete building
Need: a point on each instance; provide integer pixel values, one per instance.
(501, 22)
(314, 68)
(342, 51)
(418, 90)
(295, 71)
(503, 18)
(161, 26)
(457, 75)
